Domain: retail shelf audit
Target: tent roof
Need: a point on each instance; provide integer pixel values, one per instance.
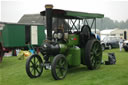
(107, 31)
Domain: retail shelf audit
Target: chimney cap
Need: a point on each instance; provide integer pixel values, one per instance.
(48, 6)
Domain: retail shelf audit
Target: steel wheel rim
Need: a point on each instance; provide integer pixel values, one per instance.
(61, 68)
(35, 66)
(96, 54)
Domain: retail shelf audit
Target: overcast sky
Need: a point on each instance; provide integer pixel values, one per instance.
(13, 10)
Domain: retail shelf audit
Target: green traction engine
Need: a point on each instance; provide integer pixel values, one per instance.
(69, 43)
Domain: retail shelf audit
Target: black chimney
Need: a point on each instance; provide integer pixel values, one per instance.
(48, 14)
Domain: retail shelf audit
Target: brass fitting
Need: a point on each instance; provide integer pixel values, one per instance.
(49, 6)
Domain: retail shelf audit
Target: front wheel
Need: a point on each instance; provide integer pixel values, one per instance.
(59, 67)
(33, 66)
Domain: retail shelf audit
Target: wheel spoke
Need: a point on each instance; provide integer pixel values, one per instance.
(91, 58)
(57, 66)
(61, 62)
(58, 72)
(94, 54)
(60, 69)
(61, 72)
(96, 50)
(32, 62)
(93, 49)
(37, 61)
(34, 72)
(96, 46)
(37, 70)
(98, 55)
(64, 70)
(39, 66)
(91, 53)
(33, 66)
(36, 66)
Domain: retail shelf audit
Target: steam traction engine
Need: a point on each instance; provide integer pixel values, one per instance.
(66, 46)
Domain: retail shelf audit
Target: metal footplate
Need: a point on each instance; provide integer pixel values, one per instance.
(47, 66)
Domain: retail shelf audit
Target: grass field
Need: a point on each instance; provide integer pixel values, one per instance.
(12, 72)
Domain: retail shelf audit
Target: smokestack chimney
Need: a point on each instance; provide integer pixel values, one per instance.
(48, 14)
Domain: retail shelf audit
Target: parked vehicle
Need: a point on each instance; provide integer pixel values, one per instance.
(110, 42)
(13, 36)
(125, 46)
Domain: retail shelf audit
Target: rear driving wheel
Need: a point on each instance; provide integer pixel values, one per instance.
(93, 54)
(59, 67)
(33, 66)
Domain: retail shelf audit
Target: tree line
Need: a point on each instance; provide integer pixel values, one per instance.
(107, 23)
(101, 24)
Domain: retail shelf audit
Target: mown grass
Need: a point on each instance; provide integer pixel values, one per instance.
(12, 72)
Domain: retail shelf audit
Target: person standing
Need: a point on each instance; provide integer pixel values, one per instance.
(121, 43)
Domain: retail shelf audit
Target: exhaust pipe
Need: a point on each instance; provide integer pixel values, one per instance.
(48, 14)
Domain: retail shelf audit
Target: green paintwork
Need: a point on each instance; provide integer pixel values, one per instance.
(73, 40)
(70, 48)
(41, 34)
(84, 14)
(13, 35)
(63, 48)
(73, 14)
(71, 51)
(51, 58)
(74, 57)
